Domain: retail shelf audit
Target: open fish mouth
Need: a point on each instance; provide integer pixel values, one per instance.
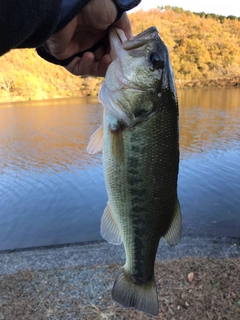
(119, 41)
(116, 37)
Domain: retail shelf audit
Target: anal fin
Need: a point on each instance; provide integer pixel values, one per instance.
(173, 235)
(109, 229)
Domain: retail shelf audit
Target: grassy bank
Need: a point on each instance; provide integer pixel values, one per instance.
(188, 289)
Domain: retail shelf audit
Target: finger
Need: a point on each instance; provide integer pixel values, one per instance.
(59, 43)
(87, 65)
(104, 64)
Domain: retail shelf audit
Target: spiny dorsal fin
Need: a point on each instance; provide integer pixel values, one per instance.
(173, 235)
(96, 141)
(109, 228)
(130, 294)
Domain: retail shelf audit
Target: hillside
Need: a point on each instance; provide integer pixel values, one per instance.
(204, 51)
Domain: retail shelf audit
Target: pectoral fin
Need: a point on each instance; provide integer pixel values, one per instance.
(96, 141)
(173, 235)
(116, 143)
(109, 229)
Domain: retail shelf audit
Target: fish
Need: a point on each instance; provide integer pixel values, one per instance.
(139, 140)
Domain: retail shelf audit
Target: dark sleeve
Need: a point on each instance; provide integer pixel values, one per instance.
(125, 5)
(29, 23)
(43, 51)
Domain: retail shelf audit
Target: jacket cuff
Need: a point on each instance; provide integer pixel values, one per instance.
(69, 12)
(127, 4)
(124, 5)
(70, 8)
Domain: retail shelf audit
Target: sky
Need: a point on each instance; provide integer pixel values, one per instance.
(222, 7)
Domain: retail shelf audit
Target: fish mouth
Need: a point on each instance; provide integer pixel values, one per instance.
(116, 38)
(119, 41)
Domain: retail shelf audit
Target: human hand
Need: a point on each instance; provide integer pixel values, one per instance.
(85, 30)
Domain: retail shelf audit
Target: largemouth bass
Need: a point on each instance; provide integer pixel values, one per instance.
(140, 158)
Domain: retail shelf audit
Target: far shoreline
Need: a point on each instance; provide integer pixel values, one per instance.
(234, 81)
(209, 83)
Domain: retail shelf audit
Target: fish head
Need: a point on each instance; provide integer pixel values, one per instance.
(138, 77)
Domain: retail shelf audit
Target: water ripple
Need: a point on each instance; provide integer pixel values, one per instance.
(52, 191)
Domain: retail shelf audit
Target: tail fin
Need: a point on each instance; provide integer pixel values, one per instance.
(143, 297)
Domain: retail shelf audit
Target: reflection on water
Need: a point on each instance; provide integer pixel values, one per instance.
(209, 179)
(52, 191)
(48, 135)
(209, 119)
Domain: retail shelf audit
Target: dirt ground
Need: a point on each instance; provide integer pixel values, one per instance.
(193, 288)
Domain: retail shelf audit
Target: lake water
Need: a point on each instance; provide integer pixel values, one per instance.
(52, 192)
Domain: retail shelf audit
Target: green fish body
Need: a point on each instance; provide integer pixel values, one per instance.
(140, 160)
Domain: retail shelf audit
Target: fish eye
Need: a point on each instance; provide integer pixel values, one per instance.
(156, 60)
